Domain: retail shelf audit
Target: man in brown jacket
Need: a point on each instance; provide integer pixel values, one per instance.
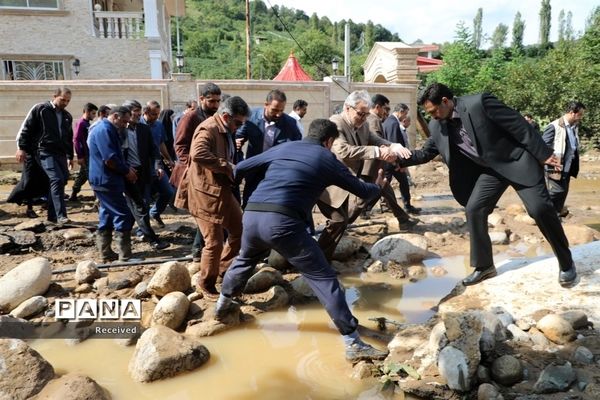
(210, 99)
(206, 191)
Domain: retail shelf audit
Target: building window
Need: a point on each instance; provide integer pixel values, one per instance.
(35, 4)
(33, 70)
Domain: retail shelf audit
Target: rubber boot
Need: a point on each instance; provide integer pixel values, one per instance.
(103, 242)
(123, 240)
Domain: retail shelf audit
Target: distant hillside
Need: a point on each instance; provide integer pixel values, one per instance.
(213, 37)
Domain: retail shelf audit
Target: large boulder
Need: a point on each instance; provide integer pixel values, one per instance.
(73, 386)
(28, 279)
(555, 378)
(161, 353)
(171, 276)
(171, 310)
(23, 371)
(263, 280)
(86, 272)
(507, 370)
(557, 329)
(346, 248)
(30, 307)
(452, 364)
(580, 234)
(401, 247)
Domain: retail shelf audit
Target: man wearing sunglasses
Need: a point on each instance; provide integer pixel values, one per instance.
(206, 191)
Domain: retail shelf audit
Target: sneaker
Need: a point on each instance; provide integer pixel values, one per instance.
(63, 221)
(159, 244)
(31, 214)
(359, 351)
(159, 221)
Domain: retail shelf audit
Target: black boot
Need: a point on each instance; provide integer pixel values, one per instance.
(123, 240)
(103, 242)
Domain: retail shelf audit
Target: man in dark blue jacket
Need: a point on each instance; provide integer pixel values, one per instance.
(277, 217)
(265, 128)
(47, 134)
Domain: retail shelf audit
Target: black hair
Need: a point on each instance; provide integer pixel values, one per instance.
(209, 88)
(299, 104)
(234, 105)
(104, 110)
(120, 111)
(379, 100)
(276, 94)
(59, 91)
(131, 104)
(322, 130)
(434, 94)
(90, 107)
(575, 106)
(150, 105)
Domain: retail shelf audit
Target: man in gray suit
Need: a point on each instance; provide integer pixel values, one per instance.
(488, 147)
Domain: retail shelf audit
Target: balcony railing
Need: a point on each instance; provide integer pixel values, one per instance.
(119, 24)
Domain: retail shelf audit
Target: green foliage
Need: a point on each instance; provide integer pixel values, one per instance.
(545, 22)
(499, 36)
(477, 28)
(213, 37)
(518, 30)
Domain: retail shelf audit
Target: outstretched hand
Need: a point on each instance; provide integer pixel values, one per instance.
(402, 151)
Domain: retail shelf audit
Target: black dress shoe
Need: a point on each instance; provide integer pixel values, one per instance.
(413, 210)
(568, 278)
(479, 275)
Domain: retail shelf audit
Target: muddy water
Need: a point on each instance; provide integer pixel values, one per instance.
(293, 354)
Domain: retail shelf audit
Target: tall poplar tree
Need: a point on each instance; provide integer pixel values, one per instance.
(477, 28)
(518, 30)
(545, 22)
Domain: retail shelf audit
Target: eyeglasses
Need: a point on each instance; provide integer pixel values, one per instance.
(361, 114)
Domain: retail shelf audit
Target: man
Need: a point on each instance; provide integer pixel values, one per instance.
(161, 182)
(562, 136)
(210, 100)
(141, 154)
(81, 149)
(355, 144)
(529, 118)
(298, 112)
(488, 147)
(369, 172)
(190, 106)
(108, 173)
(48, 133)
(277, 216)
(102, 114)
(395, 130)
(266, 127)
(206, 191)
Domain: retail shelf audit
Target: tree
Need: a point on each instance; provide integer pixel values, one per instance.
(369, 35)
(561, 25)
(517, 33)
(499, 36)
(545, 22)
(477, 28)
(314, 21)
(569, 35)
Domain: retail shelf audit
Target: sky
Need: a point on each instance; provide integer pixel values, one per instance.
(434, 21)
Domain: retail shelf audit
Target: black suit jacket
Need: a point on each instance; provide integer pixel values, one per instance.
(504, 140)
(392, 132)
(147, 152)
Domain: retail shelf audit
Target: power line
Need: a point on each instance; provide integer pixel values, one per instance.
(312, 60)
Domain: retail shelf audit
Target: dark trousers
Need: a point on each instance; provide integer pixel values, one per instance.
(289, 237)
(487, 191)
(57, 170)
(136, 202)
(82, 177)
(402, 178)
(387, 193)
(558, 190)
(113, 212)
(165, 195)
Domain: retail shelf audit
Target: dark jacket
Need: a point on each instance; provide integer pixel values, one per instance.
(505, 141)
(147, 152)
(40, 133)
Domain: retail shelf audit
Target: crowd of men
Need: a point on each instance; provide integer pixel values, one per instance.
(231, 167)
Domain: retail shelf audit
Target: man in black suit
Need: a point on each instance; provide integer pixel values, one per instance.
(395, 131)
(488, 147)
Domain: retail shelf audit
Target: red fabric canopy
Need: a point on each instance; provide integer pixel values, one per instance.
(292, 71)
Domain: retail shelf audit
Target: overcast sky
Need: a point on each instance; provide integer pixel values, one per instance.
(435, 20)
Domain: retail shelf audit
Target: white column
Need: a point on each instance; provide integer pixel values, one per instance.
(151, 19)
(155, 64)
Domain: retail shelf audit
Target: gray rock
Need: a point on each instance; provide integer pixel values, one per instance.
(556, 328)
(28, 279)
(499, 237)
(555, 378)
(86, 272)
(507, 370)
(452, 364)
(33, 225)
(518, 335)
(583, 355)
(77, 233)
(487, 391)
(24, 372)
(171, 276)
(375, 267)
(263, 280)
(6, 243)
(538, 338)
(346, 248)
(73, 386)
(504, 316)
(171, 310)
(30, 307)
(141, 290)
(161, 353)
(83, 288)
(400, 247)
(483, 374)
(101, 283)
(22, 238)
(277, 297)
(277, 261)
(301, 286)
(577, 319)
(525, 324)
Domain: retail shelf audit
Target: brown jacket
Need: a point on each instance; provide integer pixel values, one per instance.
(183, 140)
(352, 147)
(205, 188)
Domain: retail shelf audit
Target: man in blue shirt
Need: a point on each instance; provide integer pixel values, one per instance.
(277, 217)
(107, 175)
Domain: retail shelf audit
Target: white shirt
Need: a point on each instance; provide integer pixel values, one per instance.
(298, 121)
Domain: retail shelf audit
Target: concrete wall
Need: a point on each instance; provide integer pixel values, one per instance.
(17, 97)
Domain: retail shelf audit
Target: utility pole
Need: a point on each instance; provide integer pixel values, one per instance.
(248, 62)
